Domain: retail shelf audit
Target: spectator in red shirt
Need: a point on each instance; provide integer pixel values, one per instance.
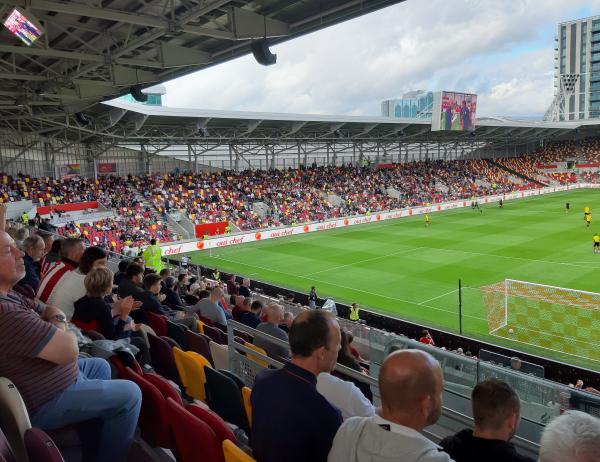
(71, 251)
(426, 338)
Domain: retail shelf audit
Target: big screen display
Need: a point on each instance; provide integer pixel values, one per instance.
(23, 27)
(454, 111)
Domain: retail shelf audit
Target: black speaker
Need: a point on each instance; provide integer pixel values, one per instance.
(82, 119)
(136, 92)
(262, 54)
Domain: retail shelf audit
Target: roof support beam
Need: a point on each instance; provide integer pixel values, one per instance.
(122, 17)
(77, 56)
(3, 165)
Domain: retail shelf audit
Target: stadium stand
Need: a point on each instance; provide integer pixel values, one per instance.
(540, 401)
(290, 196)
(198, 364)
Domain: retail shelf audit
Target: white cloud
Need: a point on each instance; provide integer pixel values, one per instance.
(502, 50)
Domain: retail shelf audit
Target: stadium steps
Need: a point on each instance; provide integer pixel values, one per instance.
(515, 173)
(157, 215)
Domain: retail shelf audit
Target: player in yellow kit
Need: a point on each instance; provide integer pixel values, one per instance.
(427, 220)
(586, 212)
(596, 240)
(588, 219)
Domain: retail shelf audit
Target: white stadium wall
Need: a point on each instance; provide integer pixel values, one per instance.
(261, 235)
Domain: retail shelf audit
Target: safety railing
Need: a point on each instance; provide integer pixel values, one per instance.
(247, 363)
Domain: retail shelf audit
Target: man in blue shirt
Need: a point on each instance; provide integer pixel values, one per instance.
(291, 420)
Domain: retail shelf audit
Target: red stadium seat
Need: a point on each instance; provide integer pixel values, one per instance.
(216, 335)
(161, 358)
(40, 447)
(206, 321)
(218, 425)
(200, 344)
(154, 417)
(194, 439)
(85, 326)
(164, 386)
(120, 366)
(158, 323)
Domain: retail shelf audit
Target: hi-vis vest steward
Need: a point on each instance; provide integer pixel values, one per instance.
(152, 258)
(354, 313)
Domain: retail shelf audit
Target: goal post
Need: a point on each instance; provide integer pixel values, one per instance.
(558, 318)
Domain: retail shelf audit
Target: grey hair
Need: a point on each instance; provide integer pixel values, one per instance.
(573, 436)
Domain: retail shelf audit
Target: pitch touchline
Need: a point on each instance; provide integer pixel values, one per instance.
(399, 252)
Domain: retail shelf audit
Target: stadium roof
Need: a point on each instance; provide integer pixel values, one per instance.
(138, 123)
(94, 50)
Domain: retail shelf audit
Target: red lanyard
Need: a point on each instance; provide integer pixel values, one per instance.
(298, 377)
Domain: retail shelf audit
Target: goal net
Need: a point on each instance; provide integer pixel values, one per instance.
(556, 318)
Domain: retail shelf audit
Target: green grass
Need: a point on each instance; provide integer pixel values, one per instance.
(403, 269)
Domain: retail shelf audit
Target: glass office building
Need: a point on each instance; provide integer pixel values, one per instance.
(577, 52)
(413, 105)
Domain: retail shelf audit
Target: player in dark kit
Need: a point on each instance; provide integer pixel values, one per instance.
(567, 207)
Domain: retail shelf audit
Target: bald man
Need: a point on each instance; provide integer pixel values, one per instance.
(411, 385)
(271, 327)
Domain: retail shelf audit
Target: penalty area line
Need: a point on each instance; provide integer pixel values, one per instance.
(439, 296)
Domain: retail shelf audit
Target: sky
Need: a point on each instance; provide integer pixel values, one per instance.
(502, 50)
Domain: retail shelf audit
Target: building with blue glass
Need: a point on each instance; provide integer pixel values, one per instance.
(413, 105)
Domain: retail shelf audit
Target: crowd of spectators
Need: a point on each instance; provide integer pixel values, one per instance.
(130, 229)
(290, 196)
(350, 428)
(313, 194)
(133, 225)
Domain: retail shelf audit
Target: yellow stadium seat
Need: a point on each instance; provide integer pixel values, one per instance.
(200, 326)
(234, 454)
(246, 392)
(256, 359)
(190, 366)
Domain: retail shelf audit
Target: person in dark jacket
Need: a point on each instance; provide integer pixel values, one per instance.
(33, 246)
(152, 299)
(94, 306)
(131, 284)
(252, 318)
(119, 275)
(172, 298)
(497, 412)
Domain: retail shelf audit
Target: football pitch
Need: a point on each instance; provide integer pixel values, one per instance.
(406, 270)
